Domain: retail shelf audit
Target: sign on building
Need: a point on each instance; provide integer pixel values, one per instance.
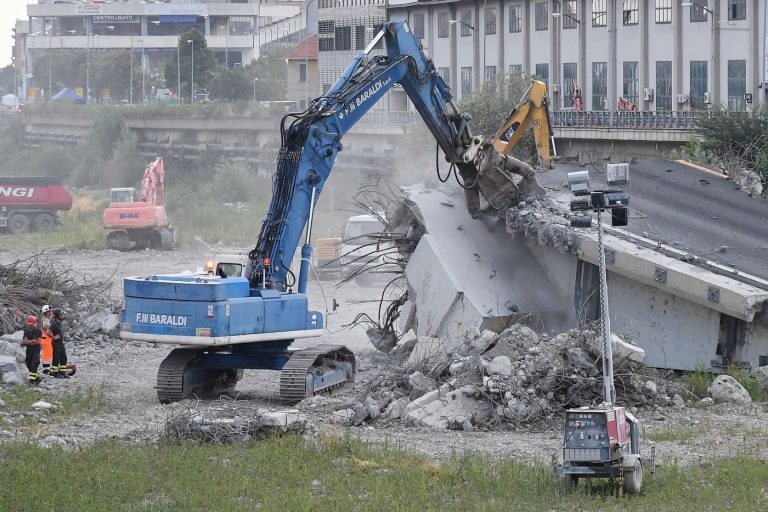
(176, 9)
(116, 18)
(88, 9)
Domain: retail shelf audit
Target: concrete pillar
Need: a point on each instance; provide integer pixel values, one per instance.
(754, 76)
(645, 80)
(526, 26)
(478, 79)
(500, 32)
(581, 70)
(613, 64)
(555, 64)
(453, 33)
(677, 60)
(715, 71)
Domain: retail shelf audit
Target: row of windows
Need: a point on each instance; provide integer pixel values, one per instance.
(338, 35)
(698, 85)
(737, 10)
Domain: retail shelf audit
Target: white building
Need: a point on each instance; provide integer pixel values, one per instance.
(234, 30)
(659, 54)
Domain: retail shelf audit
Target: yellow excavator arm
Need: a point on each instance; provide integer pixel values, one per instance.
(533, 109)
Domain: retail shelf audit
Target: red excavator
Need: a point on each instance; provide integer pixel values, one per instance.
(139, 220)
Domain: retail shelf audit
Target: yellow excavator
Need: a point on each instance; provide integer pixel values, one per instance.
(506, 177)
(532, 110)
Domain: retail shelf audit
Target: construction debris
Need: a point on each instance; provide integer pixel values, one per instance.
(517, 378)
(230, 421)
(726, 389)
(25, 285)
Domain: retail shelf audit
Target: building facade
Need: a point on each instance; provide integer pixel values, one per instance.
(658, 54)
(302, 75)
(235, 31)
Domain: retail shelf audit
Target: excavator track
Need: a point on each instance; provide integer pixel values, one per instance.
(315, 370)
(170, 376)
(180, 377)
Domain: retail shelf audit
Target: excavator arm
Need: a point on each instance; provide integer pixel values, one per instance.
(533, 110)
(311, 140)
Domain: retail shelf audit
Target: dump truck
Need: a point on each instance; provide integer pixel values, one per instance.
(31, 203)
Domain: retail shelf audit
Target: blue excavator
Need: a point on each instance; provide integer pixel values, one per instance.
(227, 323)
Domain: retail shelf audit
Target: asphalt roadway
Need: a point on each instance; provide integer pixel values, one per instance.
(693, 210)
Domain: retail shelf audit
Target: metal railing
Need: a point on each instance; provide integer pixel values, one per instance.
(633, 120)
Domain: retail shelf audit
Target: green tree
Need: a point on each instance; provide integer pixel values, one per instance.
(204, 62)
(490, 106)
(7, 80)
(231, 84)
(98, 148)
(271, 73)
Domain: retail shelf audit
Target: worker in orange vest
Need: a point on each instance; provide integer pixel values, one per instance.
(45, 325)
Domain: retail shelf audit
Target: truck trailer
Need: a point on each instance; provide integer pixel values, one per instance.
(31, 203)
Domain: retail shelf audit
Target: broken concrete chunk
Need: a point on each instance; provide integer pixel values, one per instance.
(761, 374)
(420, 384)
(42, 405)
(344, 417)
(396, 408)
(283, 419)
(432, 350)
(373, 407)
(580, 359)
(726, 389)
(650, 387)
(452, 411)
(500, 366)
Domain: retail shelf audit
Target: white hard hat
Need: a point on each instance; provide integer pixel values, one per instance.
(46, 308)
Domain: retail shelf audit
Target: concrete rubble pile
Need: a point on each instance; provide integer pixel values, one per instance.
(515, 379)
(231, 422)
(91, 319)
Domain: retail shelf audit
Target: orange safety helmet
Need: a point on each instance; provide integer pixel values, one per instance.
(31, 320)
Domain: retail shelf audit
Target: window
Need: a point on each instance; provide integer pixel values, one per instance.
(631, 84)
(490, 20)
(630, 14)
(569, 75)
(697, 13)
(302, 72)
(599, 13)
(466, 22)
(418, 25)
(664, 85)
(360, 37)
(698, 84)
(442, 24)
(737, 9)
(515, 69)
(515, 18)
(542, 16)
(343, 38)
(542, 72)
(569, 14)
(326, 34)
(663, 11)
(490, 73)
(737, 85)
(466, 82)
(599, 86)
(445, 73)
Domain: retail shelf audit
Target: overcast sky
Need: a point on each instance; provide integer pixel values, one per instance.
(9, 11)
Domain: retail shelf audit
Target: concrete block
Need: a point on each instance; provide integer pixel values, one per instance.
(727, 389)
(280, 418)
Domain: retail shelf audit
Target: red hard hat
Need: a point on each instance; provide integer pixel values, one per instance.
(31, 320)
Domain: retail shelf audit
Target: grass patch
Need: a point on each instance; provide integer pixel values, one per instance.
(680, 435)
(19, 400)
(80, 228)
(699, 380)
(290, 473)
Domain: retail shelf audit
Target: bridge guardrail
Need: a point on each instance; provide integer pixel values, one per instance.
(633, 120)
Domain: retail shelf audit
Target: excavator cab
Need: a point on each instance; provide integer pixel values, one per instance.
(123, 195)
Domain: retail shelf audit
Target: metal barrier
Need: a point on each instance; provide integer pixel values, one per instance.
(635, 120)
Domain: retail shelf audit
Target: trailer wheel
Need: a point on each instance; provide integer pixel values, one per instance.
(18, 223)
(633, 480)
(44, 222)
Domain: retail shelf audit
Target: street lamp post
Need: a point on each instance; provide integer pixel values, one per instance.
(254, 89)
(306, 55)
(192, 79)
(130, 90)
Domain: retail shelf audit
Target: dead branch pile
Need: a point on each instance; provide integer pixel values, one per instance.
(25, 285)
(228, 421)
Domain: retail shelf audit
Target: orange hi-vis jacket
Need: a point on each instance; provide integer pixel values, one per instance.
(47, 353)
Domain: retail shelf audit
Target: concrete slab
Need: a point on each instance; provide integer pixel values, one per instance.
(467, 273)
